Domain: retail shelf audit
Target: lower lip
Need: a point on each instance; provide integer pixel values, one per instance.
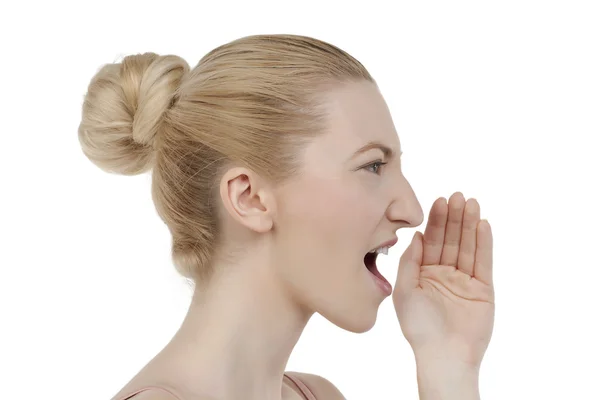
(381, 283)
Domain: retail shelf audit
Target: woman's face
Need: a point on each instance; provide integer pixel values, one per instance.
(341, 207)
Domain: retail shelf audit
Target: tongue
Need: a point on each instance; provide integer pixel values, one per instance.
(374, 271)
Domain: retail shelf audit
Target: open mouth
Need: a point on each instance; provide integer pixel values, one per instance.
(370, 261)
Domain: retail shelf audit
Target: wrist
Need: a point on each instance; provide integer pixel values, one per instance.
(448, 381)
(445, 379)
(451, 352)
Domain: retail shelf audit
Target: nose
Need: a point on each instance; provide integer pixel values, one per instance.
(405, 209)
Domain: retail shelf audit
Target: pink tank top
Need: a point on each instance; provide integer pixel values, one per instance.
(303, 388)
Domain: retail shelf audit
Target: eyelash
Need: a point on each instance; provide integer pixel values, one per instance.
(379, 163)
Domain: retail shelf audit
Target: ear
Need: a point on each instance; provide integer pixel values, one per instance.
(247, 199)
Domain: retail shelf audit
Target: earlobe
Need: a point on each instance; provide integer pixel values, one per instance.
(246, 200)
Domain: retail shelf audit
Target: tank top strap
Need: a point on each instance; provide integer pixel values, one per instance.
(299, 384)
(303, 388)
(145, 388)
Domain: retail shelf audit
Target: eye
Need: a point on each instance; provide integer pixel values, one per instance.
(377, 164)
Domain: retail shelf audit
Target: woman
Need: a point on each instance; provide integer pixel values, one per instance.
(276, 167)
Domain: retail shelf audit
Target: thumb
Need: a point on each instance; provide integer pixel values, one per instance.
(409, 267)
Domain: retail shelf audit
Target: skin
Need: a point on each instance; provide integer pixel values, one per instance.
(304, 247)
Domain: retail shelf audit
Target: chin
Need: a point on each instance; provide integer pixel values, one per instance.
(355, 322)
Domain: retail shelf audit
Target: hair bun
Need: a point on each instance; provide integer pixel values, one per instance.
(123, 110)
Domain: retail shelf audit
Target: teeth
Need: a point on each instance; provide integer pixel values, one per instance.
(381, 250)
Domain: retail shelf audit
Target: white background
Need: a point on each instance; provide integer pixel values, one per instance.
(499, 100)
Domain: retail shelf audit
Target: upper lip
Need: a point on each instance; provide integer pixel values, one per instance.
(389, 243)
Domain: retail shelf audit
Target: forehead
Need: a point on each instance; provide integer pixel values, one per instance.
(358, 115)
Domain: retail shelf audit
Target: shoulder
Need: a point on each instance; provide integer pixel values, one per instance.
(153, 394)
(321, 387)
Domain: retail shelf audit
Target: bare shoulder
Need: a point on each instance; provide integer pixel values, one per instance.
(153, 395)
(322, 388)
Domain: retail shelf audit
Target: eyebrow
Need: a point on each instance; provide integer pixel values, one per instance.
(387, 152)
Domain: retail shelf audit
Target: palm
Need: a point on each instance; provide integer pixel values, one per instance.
(444, 296)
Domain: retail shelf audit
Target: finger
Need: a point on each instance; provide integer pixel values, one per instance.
(409, 268)
(468, 239)
(433, 237)
(456, 207)
(484, 253)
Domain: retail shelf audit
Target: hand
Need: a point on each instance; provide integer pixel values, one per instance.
(444, 296)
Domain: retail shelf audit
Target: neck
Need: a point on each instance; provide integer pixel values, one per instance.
(237, 336)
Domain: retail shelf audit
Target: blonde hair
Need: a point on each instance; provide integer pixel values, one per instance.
(255, 101)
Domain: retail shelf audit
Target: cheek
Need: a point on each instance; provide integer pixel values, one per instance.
(324, 229)
(333, 214)
(351, 208)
